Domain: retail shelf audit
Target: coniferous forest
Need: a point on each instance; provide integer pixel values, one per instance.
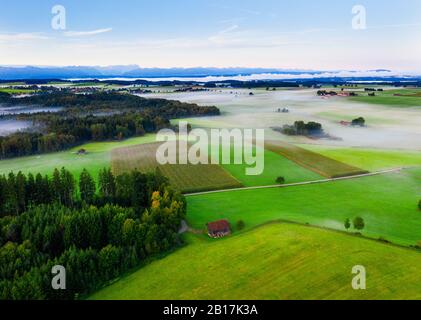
(97, 232)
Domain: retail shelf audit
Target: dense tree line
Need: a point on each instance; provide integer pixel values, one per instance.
(28, 143)
(95, 243)
(19, 192)
(105, 101)
(98, 117)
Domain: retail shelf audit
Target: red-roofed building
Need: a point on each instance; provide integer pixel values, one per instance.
(219, 229)
(345, 123)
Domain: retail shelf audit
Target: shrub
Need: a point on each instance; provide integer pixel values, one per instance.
(280, 180)
(419, 204)
(240, 225)
(418, 245)
(382, 239)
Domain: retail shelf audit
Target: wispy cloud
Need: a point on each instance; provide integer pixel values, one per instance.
(235, 9)
(403, 25)
(22, 36)
(233, 36)
(87, 33)
(229, 29)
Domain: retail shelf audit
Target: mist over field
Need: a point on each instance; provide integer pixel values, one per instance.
(387, 128)
(209, 149)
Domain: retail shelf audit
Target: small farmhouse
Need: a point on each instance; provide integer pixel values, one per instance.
(82, 152)
(219, 229)
(345, 123)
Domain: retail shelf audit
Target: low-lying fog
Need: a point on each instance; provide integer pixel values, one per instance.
(387, 127)
(5, 110)
(10, 126)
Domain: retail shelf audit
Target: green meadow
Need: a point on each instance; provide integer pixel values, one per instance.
(16, 91)
(338, 116)
(276, 261)
(369, 159)
(98, 157)
(275, 166)
(313, 161)
(388, 203)
(395, 98)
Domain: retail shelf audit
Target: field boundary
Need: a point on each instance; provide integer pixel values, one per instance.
(281, 148)
(185, 178)
(327, 229)
(280, 186)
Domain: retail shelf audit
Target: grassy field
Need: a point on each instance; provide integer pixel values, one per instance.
(388, 204)
(396, 98)
(338, 116)
(16, 91)
(189, 178)
(277, 261)
(322, 165)
(15, 83)
(369, 159)
(186, 178)
(88, 84)
(275, 166)
(98, 157)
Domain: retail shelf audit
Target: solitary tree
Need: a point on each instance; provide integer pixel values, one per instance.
(280, 180)
(347, 224)
(419, 204)
(359, 223)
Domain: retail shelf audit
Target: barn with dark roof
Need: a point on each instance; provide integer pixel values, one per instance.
(219, 229)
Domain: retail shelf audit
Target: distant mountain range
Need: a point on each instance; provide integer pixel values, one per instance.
(134, 71)
(130, 71)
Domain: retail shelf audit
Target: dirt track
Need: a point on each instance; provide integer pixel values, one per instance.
(301, 183)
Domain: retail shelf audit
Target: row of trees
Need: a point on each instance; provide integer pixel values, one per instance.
(95, 244)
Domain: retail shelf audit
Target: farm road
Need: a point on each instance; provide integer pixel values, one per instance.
(301, 183)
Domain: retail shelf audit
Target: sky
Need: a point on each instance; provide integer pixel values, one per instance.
(299, 34)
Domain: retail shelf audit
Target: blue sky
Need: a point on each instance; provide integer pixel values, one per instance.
(299, 34)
